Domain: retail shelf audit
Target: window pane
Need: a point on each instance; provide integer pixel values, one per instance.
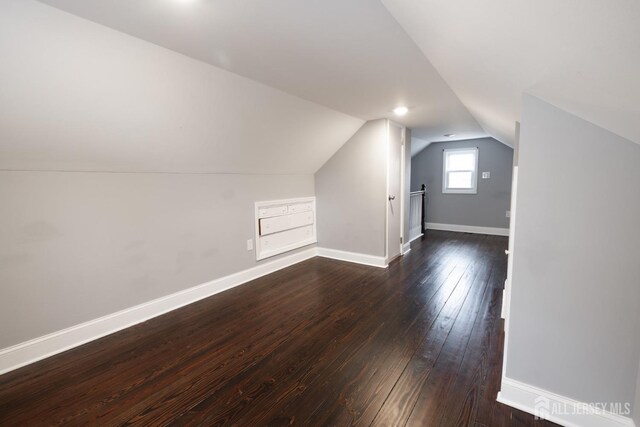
(461, 161)
(460, 180)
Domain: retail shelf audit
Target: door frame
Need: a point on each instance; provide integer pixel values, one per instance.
(402, 154)
(506, 293)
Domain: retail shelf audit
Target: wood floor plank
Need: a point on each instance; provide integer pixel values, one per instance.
(323, 342)
(472, 373)
(402, 399)
(472, 376)
(428, 288)
(385, 353)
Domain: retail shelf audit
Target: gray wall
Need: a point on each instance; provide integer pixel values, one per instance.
(488, 207)
(350, 191)
(575, 283)
(77, 246)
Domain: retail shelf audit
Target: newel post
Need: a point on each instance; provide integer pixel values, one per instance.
(424, 208)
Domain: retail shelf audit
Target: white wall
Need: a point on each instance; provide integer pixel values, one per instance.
(575, 294)
(350, 189)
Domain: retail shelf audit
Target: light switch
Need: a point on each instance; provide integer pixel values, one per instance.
(250, 244)
(486, 175)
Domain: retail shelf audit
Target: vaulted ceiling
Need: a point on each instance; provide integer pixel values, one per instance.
(351, 56)
(279, 86)
(580, 55)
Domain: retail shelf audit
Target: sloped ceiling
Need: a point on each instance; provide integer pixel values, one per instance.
(580, 55)
(351, 56)
(79, 96)
(171, 98)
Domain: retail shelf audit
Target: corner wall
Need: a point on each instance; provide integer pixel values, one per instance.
(573, 327)
(350, 190)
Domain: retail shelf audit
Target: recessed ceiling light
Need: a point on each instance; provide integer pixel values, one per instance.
(449, 135)
(400, 111)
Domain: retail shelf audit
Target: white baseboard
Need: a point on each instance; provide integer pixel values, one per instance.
(416, 238)
(558, 409)
(406, 248)
(468, 229)
(375, 261)
(40, 348)
(31, 351)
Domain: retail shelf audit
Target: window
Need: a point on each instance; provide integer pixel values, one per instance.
(460, 171)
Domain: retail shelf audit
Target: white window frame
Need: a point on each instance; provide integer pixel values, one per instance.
(445, 175)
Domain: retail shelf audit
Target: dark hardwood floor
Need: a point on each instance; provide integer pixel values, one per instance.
(320, 343)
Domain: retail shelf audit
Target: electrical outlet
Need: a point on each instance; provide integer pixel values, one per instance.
(486, 175)
(250, 244)
(508, 214)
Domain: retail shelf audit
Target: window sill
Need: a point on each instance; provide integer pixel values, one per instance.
(459, 191)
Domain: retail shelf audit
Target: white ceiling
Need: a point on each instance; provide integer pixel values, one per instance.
(580, 55)
(351, 56)
(417, 144)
